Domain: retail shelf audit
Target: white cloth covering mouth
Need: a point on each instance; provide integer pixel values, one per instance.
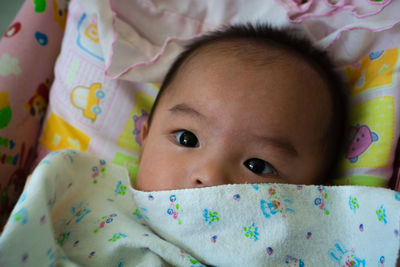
(81, 210)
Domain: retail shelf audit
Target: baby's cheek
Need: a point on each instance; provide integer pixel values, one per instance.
(157, 171)
(306, 169)
(315, 171)
(146, 175)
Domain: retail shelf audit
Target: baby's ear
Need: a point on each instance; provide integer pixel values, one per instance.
(143, 135)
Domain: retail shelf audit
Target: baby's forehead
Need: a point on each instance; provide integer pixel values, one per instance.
(248, 55)
(267, 67)
(249, 52)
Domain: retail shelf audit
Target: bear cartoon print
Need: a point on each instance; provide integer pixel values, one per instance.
(360, 137)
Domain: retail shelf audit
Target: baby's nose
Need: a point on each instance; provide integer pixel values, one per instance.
(210, 174)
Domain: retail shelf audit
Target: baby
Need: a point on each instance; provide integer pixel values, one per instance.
(244, 105)
(247, 120)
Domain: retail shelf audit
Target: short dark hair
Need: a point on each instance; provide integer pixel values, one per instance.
(287, 40)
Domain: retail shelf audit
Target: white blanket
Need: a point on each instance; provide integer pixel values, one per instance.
(79, 210)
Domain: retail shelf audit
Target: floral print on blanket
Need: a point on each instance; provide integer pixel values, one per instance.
(276, 204)
(109, 223)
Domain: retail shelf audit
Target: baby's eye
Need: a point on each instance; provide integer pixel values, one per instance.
(187, 138)
(259, 166)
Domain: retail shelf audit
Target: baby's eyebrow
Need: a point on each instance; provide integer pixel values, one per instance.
(185, 109)
(280, 143)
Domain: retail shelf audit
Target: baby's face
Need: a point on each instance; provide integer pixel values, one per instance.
(224, 120)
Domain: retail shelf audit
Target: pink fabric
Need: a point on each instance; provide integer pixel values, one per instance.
(299, 11)
(28, 51)
(154, 32)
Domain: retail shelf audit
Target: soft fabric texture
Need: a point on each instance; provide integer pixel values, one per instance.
(101, 96)
(153, 32)
(81, 210)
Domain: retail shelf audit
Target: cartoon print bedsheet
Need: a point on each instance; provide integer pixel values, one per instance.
(81, 210)
(28, 51)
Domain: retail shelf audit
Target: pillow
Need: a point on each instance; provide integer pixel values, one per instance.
(101, 96)
(374, 120)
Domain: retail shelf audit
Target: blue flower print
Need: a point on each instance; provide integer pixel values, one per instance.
(120, 189)
(21, 198)
(322, 200)
(139, 213)
(21, 216)
(174, 209)
(98, 171)
(381, 261)
(79, 211)
(236, 197)
(67, 154)
(52, 257)
(381, 213)
(353, 204)
(292, 261)
(210, 216)
(255, 186)
(103, 221)
(116, 237)
(251, 232)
